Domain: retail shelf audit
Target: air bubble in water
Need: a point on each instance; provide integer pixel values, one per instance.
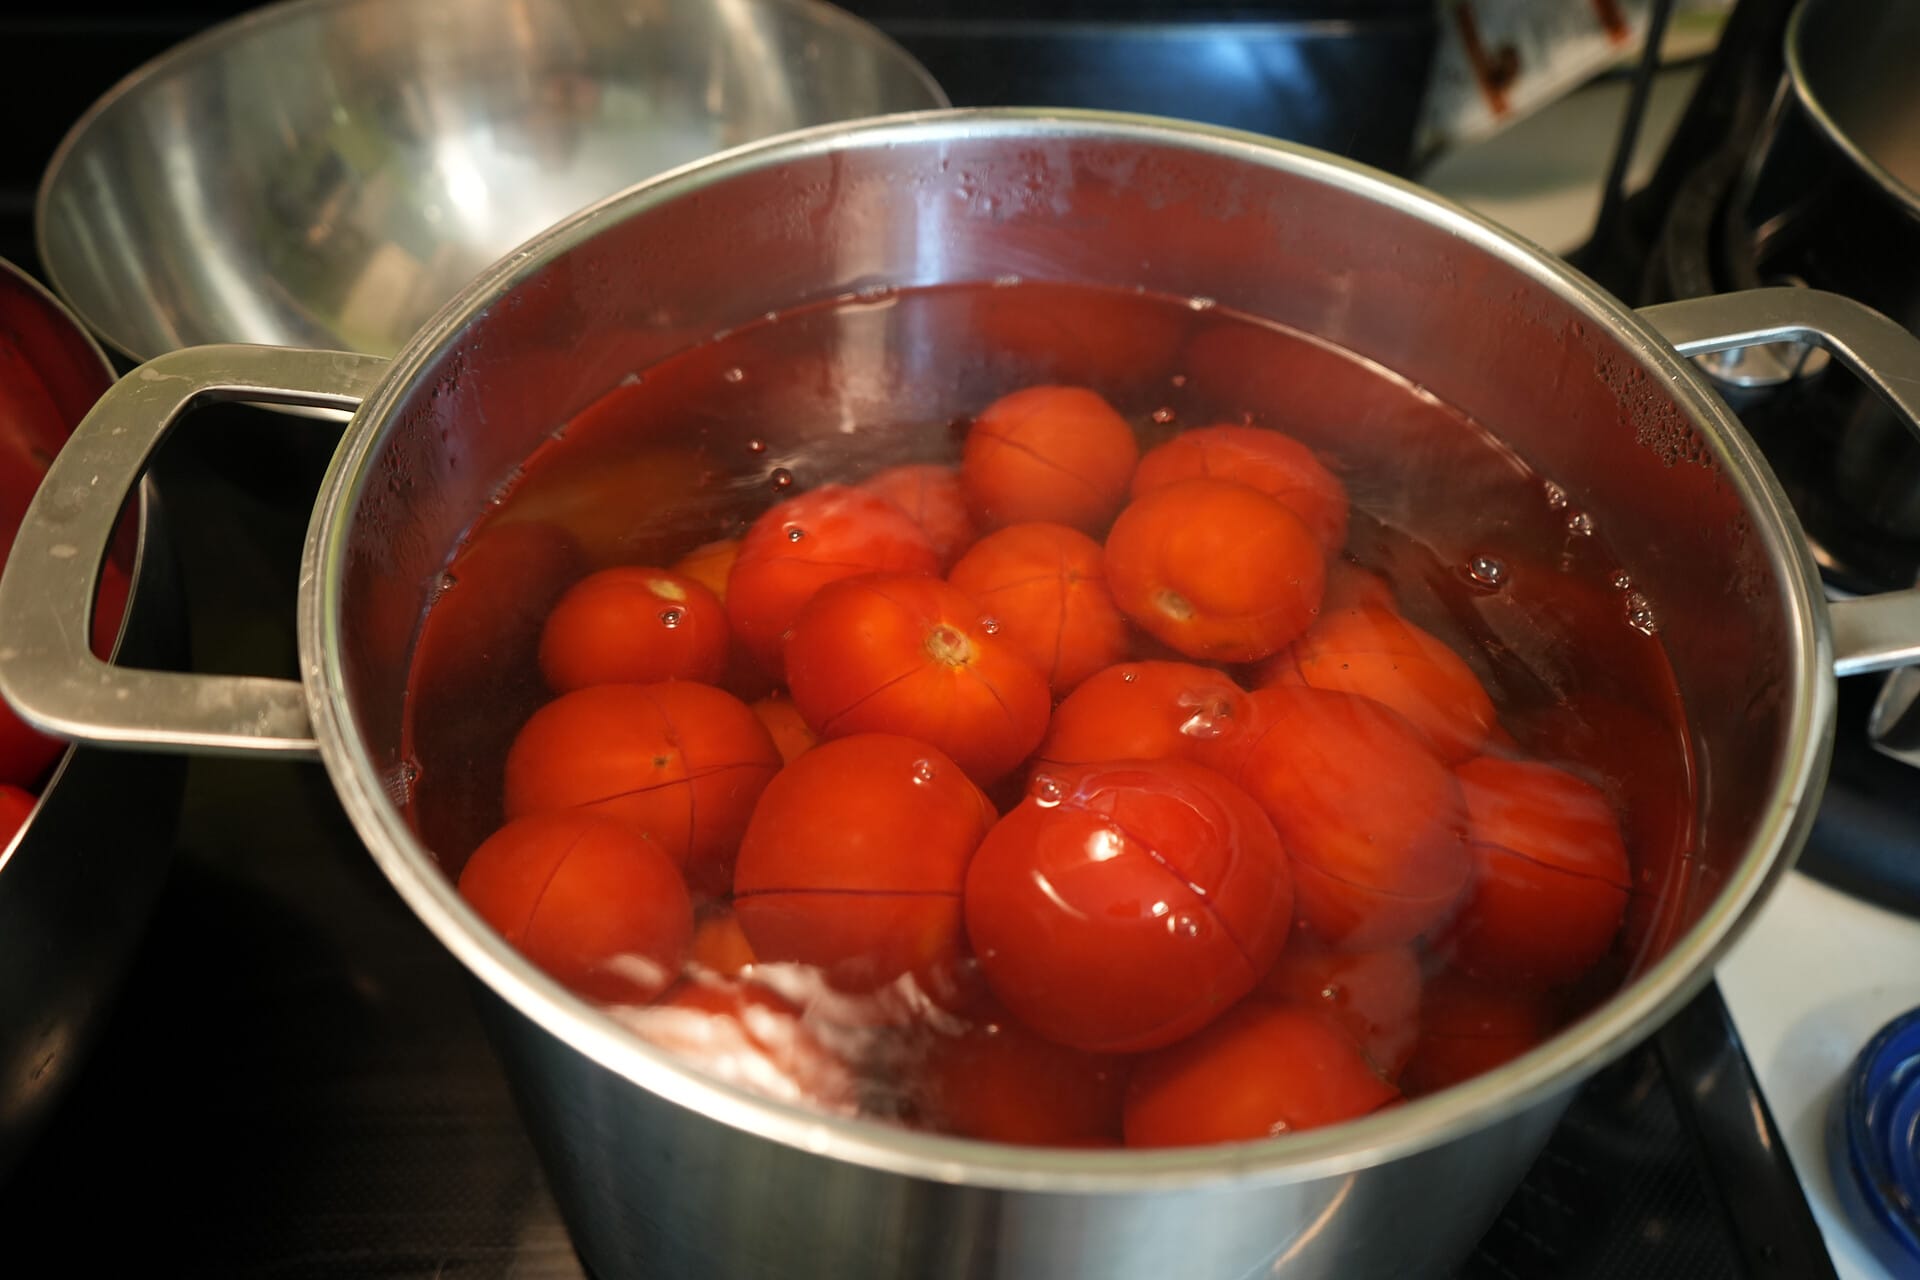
(1488, 571)
(1201, 304)
(671, 618)
(734, 374)
(1128, 677)
(923, 771)
(1620, 580)
(756, 446)
(990, 625)
(782, 480)
(1640, 614)
(1211, 720)
(1579, 522)
(1005, 282)
(1046, 790)
(795, 533)
(1163, 415)
(399, 782)
(1183, 925)
(1556, 496)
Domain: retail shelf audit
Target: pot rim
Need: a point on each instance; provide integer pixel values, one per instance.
(1538, 1077)
(1803, 90)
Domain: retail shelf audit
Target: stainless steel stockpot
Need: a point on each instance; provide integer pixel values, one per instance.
(661, 1170)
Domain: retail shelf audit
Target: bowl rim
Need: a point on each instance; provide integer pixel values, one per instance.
(245, 25)
(1540, 1077)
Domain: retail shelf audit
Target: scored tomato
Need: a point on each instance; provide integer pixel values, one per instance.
(679, 762)
(1045, 586)
(749, 1036)
(1370, 650)
(1141, 711)
(1468, 1028)
(804, 543)
(1215, 569)
(931, 494)
(1056, 454)
(912, 656)
(786, 726)
(854, 861)
(1550, 874)
(1372, 818)
(1275, 464)
(595, 904)
(1373, 995)
(1129, 906)
(634, 625)
(999, 1082)
(1261, 1071)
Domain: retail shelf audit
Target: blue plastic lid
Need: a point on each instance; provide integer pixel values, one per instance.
(1873, 1144)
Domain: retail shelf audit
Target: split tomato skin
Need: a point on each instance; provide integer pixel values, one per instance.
(633, 625)
(931, 494)
(1373, 820)
(1056, 454)
(1141, 711)
(1261, 1071)
(998, 1082)
(1215, 570)
(1370, 650)
(1551, 875)
(801, 545)
(1045, 585)
(679, 762)
(1129, 906)
(1374, 996)
(912, 656)
(1275, 464)
(854, 861)
(593, 903)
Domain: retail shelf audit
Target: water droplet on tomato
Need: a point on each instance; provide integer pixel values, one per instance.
(990, 625)
(1183, 924)
(1488, 571)
(1046, 790)
(1128, 677)
(923, 771)
(756, 446)
(671, 618)
(734, 374)
(782, 480)
(795, 533)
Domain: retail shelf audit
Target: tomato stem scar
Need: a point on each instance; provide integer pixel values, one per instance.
(949, 646)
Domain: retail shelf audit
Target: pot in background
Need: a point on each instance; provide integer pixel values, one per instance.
(662, 1171)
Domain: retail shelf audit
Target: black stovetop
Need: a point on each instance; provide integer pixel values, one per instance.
(295, 1082)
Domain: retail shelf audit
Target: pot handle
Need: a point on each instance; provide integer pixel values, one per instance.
(1873, 633)
(47, 671)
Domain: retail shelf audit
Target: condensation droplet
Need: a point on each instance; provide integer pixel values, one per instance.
(923, 771)
(734, 374)
(756, 446)
(1640, 614)
(782, 479)
(795, 533)
(990, 625)
(671, 618)
(1201, 304)
(1488, 571)
(1556, 496)
(1164, 415)
(1046, 790)
(1579, 522)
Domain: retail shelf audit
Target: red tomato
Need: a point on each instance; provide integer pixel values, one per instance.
(1372, 651)
(1058, 454)
(1551, 874)
(748, 1036)
(1261, 1071)
(805, 543)
(786, 726)
(911, 656)
(719, 945)
(1349, 586)
(999, 1082)
(1046, 587)
(1141, 711)
(634, 626)
(1469, 1028)
(1129, 907)
(596, 905)
(681, 763)
(16, 806)
(1373, 995)
(709, 564)
(1372, 818)
(1277, 465)
(1215, 569)
(931, 494)
(854, 862)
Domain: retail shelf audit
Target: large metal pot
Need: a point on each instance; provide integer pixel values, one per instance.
(663, 1171)
(78, 882)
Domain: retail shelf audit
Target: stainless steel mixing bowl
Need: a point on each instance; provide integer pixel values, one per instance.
(327, 173)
